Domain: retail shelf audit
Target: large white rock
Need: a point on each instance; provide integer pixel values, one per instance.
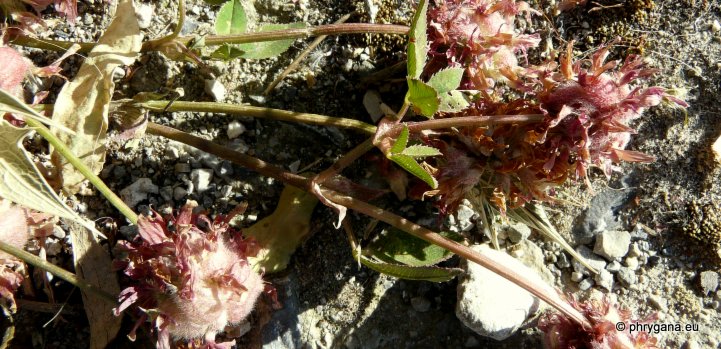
(491, 305)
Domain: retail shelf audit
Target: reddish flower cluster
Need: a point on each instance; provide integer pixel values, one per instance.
(605, 333)
(191, 282)
(586, 106)
(16, 9)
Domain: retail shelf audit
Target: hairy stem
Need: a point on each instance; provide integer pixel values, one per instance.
(541, 291)
(258, 112)
(84, 169)
(22, 39)
(36, 261)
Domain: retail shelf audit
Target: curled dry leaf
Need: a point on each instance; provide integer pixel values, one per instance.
(84, 102)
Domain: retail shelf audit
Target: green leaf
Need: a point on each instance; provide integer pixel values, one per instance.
(412, 166)
(395, 246)
(423, 97)
(257, 50)
(433, 274)
(279, 234)
(418, 41)
(231, 19)
(421, 151)
(453, 102)
(267, 49)
(446, 80)
(401, 142)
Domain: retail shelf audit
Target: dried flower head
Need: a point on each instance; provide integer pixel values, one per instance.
(479, 35)
(191, 282)
(611, 328)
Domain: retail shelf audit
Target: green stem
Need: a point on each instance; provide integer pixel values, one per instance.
(55, 270)
(19, 38)
(176, 32)
(542, 291)
(258, 112)
(82, 168)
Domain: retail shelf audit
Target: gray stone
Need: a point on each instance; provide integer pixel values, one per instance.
(179, 193)
(182, 167)
(627, 276)
(420, 304)
(604, 279)
(480, 292)
(166, 193)
(532, 257)
(709, 281)
(576, 276)
(601, 214)
(592, 259)
(464, 216)
(613, 266)
(201, 179)
(518, 232)
(562, 261)
(585, 284)
(138, 191)
(612, 244)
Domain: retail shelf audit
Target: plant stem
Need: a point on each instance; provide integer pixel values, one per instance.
(344, 161)
(176, 32)
(258, 112)
(293, 65)
(55, 270)
(416, 230)
(469, 121)
(82, 168)
(19, 38)
(543, 292)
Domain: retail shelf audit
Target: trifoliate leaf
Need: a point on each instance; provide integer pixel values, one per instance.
(401, 142)
(411, 165)
(231, 19)
(421, 151)
(446, 80)
(418, 41)
(423, 97)
(394, 246)
(453, 102)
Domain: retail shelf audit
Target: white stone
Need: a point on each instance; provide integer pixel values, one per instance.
(604, 279)
(215, 89)
(612, 244)
(235, 129)
(491, 305)
(138, 191)
(709, 281)
(144, 13)
(201, 179)
(372, 102)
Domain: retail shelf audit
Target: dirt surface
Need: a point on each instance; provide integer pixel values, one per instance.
(329, 302)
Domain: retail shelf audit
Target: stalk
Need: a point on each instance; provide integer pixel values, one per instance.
(84, 169)
(399, 222)
(258, 112)
(21, 39)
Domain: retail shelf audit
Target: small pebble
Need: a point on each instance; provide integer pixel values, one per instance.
(627, 276)
(179, 193)
(612, 244)
(144, 12)
(585, 284)
(201, 179)
(562, 261)
(613, 266)
(576, 276)
(631, 262)
(709, 281)
(658, 302)
(604, 279)
(215, 89)
(235, 129)
(518, 232)
(182, 167)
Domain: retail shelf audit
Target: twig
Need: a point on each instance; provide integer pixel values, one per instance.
(293, 65)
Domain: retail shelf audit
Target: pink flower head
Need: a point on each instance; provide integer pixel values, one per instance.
(605, 333)
(192, 281)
